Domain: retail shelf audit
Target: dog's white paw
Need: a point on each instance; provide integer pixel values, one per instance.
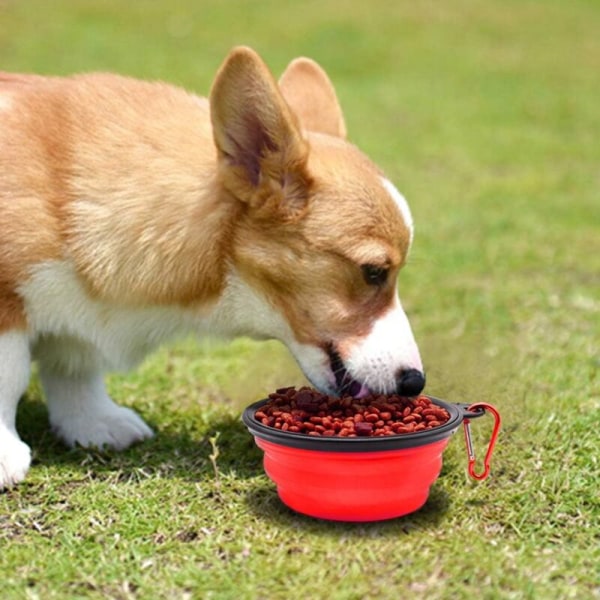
(113, 427)
(15, 458)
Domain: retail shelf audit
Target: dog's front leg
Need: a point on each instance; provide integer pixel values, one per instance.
(81, 412)
(14, 376)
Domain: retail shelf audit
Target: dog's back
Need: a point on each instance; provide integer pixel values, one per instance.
(86, 164)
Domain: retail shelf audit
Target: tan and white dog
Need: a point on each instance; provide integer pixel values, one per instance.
(133, 212)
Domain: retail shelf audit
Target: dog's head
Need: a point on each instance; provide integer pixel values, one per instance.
(321, 233)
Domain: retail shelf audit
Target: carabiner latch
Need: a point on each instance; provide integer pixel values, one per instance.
(490, 448)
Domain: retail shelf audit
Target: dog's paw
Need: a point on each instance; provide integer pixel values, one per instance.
(15, 458)
(115, 427)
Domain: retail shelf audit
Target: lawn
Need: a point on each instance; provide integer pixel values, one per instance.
(486, 116)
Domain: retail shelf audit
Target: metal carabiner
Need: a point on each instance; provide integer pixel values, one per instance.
(492, 443)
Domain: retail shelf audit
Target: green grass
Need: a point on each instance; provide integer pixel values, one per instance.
(486, 115)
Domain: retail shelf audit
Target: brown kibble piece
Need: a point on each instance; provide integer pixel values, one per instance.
(363, 428)
(310, 412)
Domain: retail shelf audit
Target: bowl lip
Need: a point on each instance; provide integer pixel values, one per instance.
(458, 412)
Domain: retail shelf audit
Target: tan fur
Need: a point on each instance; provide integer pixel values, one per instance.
(123, 178)
(118, 174)
(308, 91)
(317, 259)
(262, 155)
(134, 212)
(27, 189)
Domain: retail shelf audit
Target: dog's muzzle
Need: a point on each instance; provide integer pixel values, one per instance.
(409, 382)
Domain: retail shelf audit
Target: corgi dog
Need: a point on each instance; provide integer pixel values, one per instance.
(134, 212)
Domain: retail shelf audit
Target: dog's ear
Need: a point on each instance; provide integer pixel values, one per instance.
(262, 154)
(310, 93)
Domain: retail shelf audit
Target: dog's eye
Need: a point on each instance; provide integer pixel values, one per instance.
(374, 275)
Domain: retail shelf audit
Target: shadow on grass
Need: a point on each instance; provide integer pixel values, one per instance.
(264, 502)
(180, 449)
(185, 453)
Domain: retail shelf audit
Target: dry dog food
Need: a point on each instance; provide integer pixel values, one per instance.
(308, 411)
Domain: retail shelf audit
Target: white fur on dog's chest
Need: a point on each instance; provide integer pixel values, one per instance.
(58, 308)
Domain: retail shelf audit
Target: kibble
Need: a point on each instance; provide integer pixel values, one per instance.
(310, 412)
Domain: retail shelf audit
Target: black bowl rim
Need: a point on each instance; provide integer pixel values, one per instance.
(458, 412)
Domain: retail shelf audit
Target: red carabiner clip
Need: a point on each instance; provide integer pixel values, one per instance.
(488, 454)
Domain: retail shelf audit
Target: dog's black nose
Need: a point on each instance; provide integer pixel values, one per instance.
(411, 382)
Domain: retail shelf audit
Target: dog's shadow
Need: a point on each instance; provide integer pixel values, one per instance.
(184, 450)
(193, 454)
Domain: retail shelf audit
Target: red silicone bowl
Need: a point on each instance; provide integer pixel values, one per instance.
(361, 478)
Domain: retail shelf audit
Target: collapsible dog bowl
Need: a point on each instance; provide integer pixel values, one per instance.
(362, 478)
